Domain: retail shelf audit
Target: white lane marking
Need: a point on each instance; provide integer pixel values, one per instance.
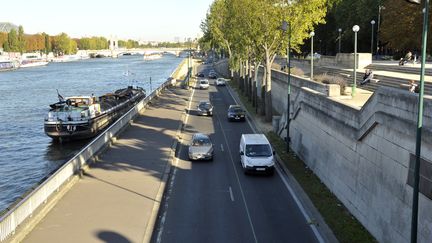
(290, 190)
(222, 149)
(305, 215)
(231, 194)
(238, 181)
(172, 180)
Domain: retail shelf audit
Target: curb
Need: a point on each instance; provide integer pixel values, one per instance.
(315, 217)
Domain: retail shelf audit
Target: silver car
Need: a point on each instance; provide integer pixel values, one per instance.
(201, 147)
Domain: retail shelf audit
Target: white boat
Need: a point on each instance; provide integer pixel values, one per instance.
(7, 64)
(66, 58)
(152, 56)
(32, 60)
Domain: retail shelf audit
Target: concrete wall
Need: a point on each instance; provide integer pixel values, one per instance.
(363, 155)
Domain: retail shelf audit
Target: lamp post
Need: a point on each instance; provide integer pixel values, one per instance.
(355, 28)
(414, 216)
(312, 34)
(287, 28)
(378, 29)
(372, 43)
(340, 31)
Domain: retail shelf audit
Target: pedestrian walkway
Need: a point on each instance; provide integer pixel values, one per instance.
(114, 200)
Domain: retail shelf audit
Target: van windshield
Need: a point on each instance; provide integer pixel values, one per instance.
(258, 150)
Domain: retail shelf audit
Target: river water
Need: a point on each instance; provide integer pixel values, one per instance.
(27, 155)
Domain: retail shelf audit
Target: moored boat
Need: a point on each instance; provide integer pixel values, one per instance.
(152, 56)
(7, 65)
(32, 60)
(81, 117)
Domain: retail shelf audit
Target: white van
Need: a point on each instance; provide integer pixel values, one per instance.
(256, 154)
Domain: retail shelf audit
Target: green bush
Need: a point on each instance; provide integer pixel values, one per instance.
(332, 79)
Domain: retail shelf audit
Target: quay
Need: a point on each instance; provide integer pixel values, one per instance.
(128, 168)
(114, 200)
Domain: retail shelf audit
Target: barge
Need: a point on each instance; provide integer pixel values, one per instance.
(82, 117)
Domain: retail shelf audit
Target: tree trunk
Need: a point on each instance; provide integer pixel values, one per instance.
(268, 98)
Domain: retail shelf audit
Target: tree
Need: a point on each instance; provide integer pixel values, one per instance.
(12, 42)
(62, 44)
(21, 40)
(47, 41)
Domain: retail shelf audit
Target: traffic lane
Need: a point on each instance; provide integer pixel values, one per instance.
(202, 205)
(275, 215)
(201, 208)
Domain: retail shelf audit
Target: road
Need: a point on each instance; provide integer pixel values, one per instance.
(215, 201)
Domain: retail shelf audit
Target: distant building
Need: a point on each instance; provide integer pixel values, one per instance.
(7, 27)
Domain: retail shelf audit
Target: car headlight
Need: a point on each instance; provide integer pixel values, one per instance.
(209, 152)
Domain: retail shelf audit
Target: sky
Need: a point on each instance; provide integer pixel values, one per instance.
(150, 20)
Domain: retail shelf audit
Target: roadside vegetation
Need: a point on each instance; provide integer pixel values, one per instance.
(345, 227)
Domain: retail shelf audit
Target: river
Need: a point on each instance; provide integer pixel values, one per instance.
(27, 155)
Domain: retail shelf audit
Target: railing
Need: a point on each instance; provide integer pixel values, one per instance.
(25, 208)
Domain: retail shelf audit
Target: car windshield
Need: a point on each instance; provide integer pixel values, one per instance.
(201, 141)
(204, 82)
(258, 150)
(204, 105)
(236, 110)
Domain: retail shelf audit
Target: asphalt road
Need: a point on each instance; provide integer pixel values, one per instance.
(215, 201)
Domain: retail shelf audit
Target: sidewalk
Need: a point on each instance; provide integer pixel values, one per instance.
(117, 198)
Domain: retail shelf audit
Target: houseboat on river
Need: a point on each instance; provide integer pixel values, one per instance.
(81, 117)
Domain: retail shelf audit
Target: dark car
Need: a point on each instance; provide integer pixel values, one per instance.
(212, 75)
(236, 113)
(200, 74)
(205, 108)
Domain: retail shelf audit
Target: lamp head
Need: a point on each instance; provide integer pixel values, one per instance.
(284, 25)
(373, 22)
(340, 30)
(356, 28)
(312, 34)
(414, 1)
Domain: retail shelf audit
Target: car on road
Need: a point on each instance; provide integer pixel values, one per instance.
(212, 75)
(201, 147)
(205, 108)
(204, 84)
(256, 154)
(220, 82)
(236, 113)
(200, 74)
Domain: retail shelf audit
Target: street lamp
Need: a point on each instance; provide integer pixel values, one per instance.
(355, 28)
(378, 29)
(372, 23)
(414, 216)
(312, 34)
(340, 30)
(287, 28)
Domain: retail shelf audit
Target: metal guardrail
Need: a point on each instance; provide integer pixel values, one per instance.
(25, 208)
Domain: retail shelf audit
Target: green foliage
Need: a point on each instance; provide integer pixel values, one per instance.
(93, 43)
(62, 45)
(12, 42)
(402, 26)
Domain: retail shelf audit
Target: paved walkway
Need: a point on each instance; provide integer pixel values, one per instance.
(114, 200)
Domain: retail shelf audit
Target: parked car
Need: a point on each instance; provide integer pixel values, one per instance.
(236, 113)
(200, 74)
(205, 108)
(201, 147)
(256, 154)
(220, 82)
(204, 84)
